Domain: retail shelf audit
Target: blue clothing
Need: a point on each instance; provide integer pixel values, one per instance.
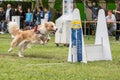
(41, 14)
(47, 16)
(2, 26)
(38, 19)
(29, 17)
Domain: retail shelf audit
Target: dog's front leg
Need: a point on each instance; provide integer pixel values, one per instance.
(13, 44)
(21, 51)
(47, 39)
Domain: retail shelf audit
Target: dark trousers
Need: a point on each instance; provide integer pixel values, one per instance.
(21, 24)
(117, 31)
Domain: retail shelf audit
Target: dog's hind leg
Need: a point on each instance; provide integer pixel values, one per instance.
(23, 46)
(21, 49)
(20, 53)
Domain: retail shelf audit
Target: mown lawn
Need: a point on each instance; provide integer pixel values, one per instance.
(48, 62)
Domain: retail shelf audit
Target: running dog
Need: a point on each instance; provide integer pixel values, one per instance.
(23, 38)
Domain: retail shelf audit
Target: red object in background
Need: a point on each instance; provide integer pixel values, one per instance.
(35, 28)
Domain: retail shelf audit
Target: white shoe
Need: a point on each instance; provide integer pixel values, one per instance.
(1, 32)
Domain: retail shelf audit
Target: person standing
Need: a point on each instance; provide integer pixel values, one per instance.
(29, 19)
(94, 8)
(111, 22)
(34, 11)
(117, 11)
(38, 19)
(41, 12)
(21, 13)
(2, 21)
(47, 14)
(9, 13)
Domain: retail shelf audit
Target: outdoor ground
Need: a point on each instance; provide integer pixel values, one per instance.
(48, 62)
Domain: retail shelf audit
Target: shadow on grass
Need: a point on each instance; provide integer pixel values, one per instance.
(29, 56)
(39, 56)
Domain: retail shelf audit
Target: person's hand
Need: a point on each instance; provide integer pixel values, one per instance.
(117, 11)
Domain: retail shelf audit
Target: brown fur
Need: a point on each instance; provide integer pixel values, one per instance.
(23, 38)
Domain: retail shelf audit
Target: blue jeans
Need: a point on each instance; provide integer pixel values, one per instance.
(2, 26)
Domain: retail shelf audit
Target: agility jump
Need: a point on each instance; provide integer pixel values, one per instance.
(70, 32)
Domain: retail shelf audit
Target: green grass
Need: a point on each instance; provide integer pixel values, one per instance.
(48, 62)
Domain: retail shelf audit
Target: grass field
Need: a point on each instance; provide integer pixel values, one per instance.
(48, 62)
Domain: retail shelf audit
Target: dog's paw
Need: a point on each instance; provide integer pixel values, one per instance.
(10, 50)
(47, 41)
(20, 55)
(41, 42)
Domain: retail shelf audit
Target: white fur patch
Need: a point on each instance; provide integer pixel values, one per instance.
(12, 24)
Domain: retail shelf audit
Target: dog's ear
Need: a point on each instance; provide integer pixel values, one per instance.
(46, 24)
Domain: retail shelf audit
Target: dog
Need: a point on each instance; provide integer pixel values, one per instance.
(23, 38)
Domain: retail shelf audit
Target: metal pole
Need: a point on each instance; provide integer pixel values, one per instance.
(83, 1)
(84, 19)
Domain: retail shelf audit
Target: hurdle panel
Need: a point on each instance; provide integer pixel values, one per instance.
(94, 52)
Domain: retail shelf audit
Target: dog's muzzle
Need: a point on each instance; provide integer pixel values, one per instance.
(56, 29)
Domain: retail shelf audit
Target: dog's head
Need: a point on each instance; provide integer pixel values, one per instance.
(50, 26)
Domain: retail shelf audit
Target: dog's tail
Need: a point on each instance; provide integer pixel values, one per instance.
(13, 28)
